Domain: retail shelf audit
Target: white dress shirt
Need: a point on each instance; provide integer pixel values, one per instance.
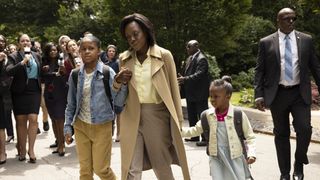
(295, 62)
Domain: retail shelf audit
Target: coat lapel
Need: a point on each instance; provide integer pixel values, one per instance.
(276, 46)
(298, 46)
(156, 59)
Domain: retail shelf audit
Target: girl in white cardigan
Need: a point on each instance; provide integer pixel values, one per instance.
(226, 158)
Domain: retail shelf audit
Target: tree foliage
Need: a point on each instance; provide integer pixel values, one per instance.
(228, 30)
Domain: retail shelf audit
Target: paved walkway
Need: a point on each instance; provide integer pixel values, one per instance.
(52, 167)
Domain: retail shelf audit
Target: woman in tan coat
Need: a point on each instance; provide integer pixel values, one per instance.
(152, 117)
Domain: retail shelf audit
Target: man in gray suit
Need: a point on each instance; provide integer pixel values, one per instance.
(282, 82)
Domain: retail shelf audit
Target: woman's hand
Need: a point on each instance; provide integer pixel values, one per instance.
(3, 56)
(123, 76)
(26, 59)
(45, 68)
(62, 70)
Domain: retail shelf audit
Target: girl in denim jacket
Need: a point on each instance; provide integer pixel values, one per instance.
(90, 112)
(226, 158)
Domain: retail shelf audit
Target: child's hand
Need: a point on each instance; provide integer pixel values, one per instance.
(68, 138)
(251, 160)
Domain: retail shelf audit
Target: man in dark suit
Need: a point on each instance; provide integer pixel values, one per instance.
(194, 83)
(282, 82)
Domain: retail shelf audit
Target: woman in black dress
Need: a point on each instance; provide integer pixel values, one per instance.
(5, 99)
(55, 92)
(24, 67)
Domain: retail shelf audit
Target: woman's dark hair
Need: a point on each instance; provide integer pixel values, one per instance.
(144, 23)
(224, 82)
(46, 50)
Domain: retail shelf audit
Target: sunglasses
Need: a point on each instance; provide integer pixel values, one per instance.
(293, 19)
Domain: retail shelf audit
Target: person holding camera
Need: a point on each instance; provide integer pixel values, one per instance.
(24, 67)
(55, 92)
(5, 101)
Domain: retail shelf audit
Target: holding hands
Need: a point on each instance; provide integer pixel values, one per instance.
(68, 138)
(251, 160)
(123, 76)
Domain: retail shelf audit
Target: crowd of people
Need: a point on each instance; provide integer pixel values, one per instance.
(85, 89)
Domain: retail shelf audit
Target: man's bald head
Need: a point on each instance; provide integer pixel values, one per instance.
(193, 43)
(192, 47)
(285, 19)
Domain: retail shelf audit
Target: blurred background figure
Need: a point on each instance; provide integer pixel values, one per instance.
(24, 67)
(5, 82)
(11, 48)
(194, 86)
(36, 47)
(73, 59)
(5, 100)
(112, 60)
(55, 93)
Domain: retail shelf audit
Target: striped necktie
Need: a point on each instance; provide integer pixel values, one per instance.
(288, 60)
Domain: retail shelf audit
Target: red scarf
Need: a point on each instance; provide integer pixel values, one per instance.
(220, 116)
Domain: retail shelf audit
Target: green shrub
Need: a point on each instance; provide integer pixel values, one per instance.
(247, 97)
(243, 80)
(214, 69)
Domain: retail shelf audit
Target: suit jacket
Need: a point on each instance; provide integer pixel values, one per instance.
(197, 81)
(164, 79)
(268, 67)
(18, 71)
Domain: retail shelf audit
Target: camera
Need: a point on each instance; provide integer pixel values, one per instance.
(61, 60)
(27, 50)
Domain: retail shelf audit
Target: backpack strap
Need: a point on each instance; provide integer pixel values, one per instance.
(75, 74)
(238, 126)
(205, 128)
(106, 77)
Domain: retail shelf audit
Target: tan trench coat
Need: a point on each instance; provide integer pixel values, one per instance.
(164, 79)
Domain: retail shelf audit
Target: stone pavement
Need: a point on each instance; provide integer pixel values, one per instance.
(53, 167)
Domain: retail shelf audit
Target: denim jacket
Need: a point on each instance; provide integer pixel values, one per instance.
(100, 107)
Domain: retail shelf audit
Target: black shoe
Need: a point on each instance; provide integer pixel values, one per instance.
(61, 154)
(298, 171)
(285, 177)
(32, 160)
(54, 145)
(38, 131)
(2, 162)
(5, 160)
(194, 139)
(201, 143)
(10, 138)
(297, 176)
(46, 126)
(22, 158)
